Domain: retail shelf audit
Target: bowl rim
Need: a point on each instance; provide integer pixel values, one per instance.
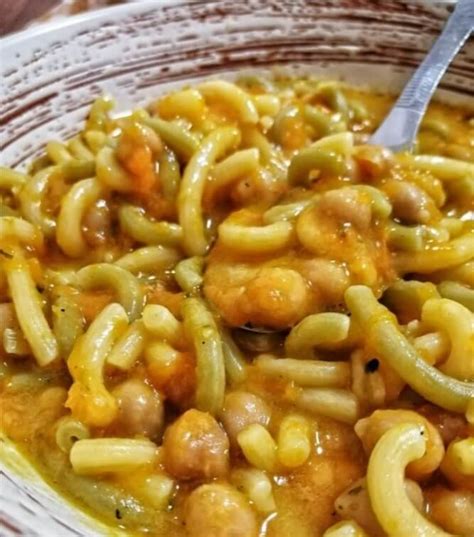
(132, 7)
(66, 22)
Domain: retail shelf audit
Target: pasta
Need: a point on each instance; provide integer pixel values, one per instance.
(169, 174)
(10, 179)
(341, 405)
(134, 222)
(458, 251)
(159, 321)
(185, 103)
(192, 187)
(371, 429)
(27, 303)
(69, 226)
(315, 330)
(311, 373)
(101, 455)
(154, 259)
(158, 490)
(74, 170)
(258, 447)
(345, 529)
(335, 98)
(201, 328)
(285, 212)
(446, 169)
(323, 122)
(89, 399)
(315, 158)
(433, 346)
(255, 239)
(227, 315)
(14, 231)
(129, 346)
(96, 140)
(125, 285)
(79, 149)
(57, 152)
(178, 139)
(69, 431)
(237, 165)
(395, 512)
(31, 197)
(294, 445)
(458, 293)
(68, 321)
(188, 274)
(231, 95)
(406, 238)
(234, 361)
(458, 321)
(390, 343)
(257, 486)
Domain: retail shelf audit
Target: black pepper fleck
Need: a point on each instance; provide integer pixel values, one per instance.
(372, 365)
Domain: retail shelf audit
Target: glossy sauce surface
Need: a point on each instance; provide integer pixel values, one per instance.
(336, 242)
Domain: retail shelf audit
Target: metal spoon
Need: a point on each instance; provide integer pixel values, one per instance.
(399, 129)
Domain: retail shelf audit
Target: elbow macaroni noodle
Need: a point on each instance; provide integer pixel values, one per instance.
(232, 285)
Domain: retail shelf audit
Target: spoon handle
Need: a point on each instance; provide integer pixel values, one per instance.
(399, 129)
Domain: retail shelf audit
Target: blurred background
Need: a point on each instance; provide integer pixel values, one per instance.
(16, 15)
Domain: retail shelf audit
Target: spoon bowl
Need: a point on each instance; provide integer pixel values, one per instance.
(399, 129)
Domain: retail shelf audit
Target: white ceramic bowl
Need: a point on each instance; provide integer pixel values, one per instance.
(51, 74)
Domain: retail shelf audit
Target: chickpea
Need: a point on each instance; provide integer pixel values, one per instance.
(242, 409)
(219, 511)
(49, 407)
(453, 473)
(452, 510)
(262, 188)
(171, 372)
(449, 425)
(273, 297)
(97, 223)
(276, 297)
(370, 429)
(347, 205)
(354, 504)
(196, 447)
(330, 278)
(411, 204)
(140, 409)
(373, 161)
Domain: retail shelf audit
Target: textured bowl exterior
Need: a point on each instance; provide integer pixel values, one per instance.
(50, 75)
